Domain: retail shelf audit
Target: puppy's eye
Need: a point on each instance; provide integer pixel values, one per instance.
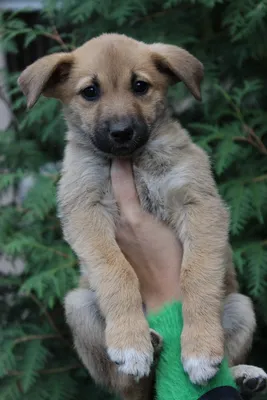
(140, 87)
(91, 93)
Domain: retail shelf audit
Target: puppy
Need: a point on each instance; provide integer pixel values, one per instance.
(113, 90)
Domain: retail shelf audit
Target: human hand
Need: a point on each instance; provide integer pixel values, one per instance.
(149, 245)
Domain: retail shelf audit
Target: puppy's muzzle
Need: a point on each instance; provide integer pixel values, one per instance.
(121, 137)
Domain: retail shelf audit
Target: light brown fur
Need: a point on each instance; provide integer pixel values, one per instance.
(174, 182)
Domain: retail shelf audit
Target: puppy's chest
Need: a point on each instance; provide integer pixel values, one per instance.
(152, 193)
(150, 189)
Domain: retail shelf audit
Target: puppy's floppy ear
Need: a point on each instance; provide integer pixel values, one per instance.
(44, 76)
(179, 65)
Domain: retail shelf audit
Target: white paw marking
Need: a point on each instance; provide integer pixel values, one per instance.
(131, 361)
(201, 369)
(243, 374)
(255, 372)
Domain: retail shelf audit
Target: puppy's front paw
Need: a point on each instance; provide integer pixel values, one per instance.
(131, 350)
(131, 361)
(201, 369)
(201, 356)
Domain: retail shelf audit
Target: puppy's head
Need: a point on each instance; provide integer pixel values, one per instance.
(113, 88)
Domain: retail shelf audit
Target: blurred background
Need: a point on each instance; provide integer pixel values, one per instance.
(37, 360)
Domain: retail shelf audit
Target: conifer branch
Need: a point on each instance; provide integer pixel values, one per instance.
(156, 14)
(50, 320)
(46, 313)
(36, 337)
(252, 139)
(51, 249)
(245, 139)
(48, 371)
(232, 130)
(56, 36)
(256, 138)
(260, 178)
(19, 386)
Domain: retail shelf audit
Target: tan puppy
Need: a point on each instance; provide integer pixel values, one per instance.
(113, 91)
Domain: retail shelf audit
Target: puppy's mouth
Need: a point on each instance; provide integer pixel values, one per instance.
(119, 150)
(121, 138)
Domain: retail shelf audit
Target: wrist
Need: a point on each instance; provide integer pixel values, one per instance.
(154, 303)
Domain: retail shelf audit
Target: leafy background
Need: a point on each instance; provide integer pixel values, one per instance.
(37, 360)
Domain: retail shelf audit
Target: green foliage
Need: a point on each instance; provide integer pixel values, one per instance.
(229, 37)
(33, 359)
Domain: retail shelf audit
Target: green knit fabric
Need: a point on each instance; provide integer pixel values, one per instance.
(172, 383)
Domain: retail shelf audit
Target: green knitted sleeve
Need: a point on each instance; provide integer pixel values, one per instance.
(171, 380)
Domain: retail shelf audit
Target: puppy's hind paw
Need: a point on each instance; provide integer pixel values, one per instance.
(250, 379)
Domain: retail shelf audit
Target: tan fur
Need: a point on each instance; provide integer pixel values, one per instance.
(174, 182)
(88, 329)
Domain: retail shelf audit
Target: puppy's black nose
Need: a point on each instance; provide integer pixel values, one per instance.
(121, 132)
